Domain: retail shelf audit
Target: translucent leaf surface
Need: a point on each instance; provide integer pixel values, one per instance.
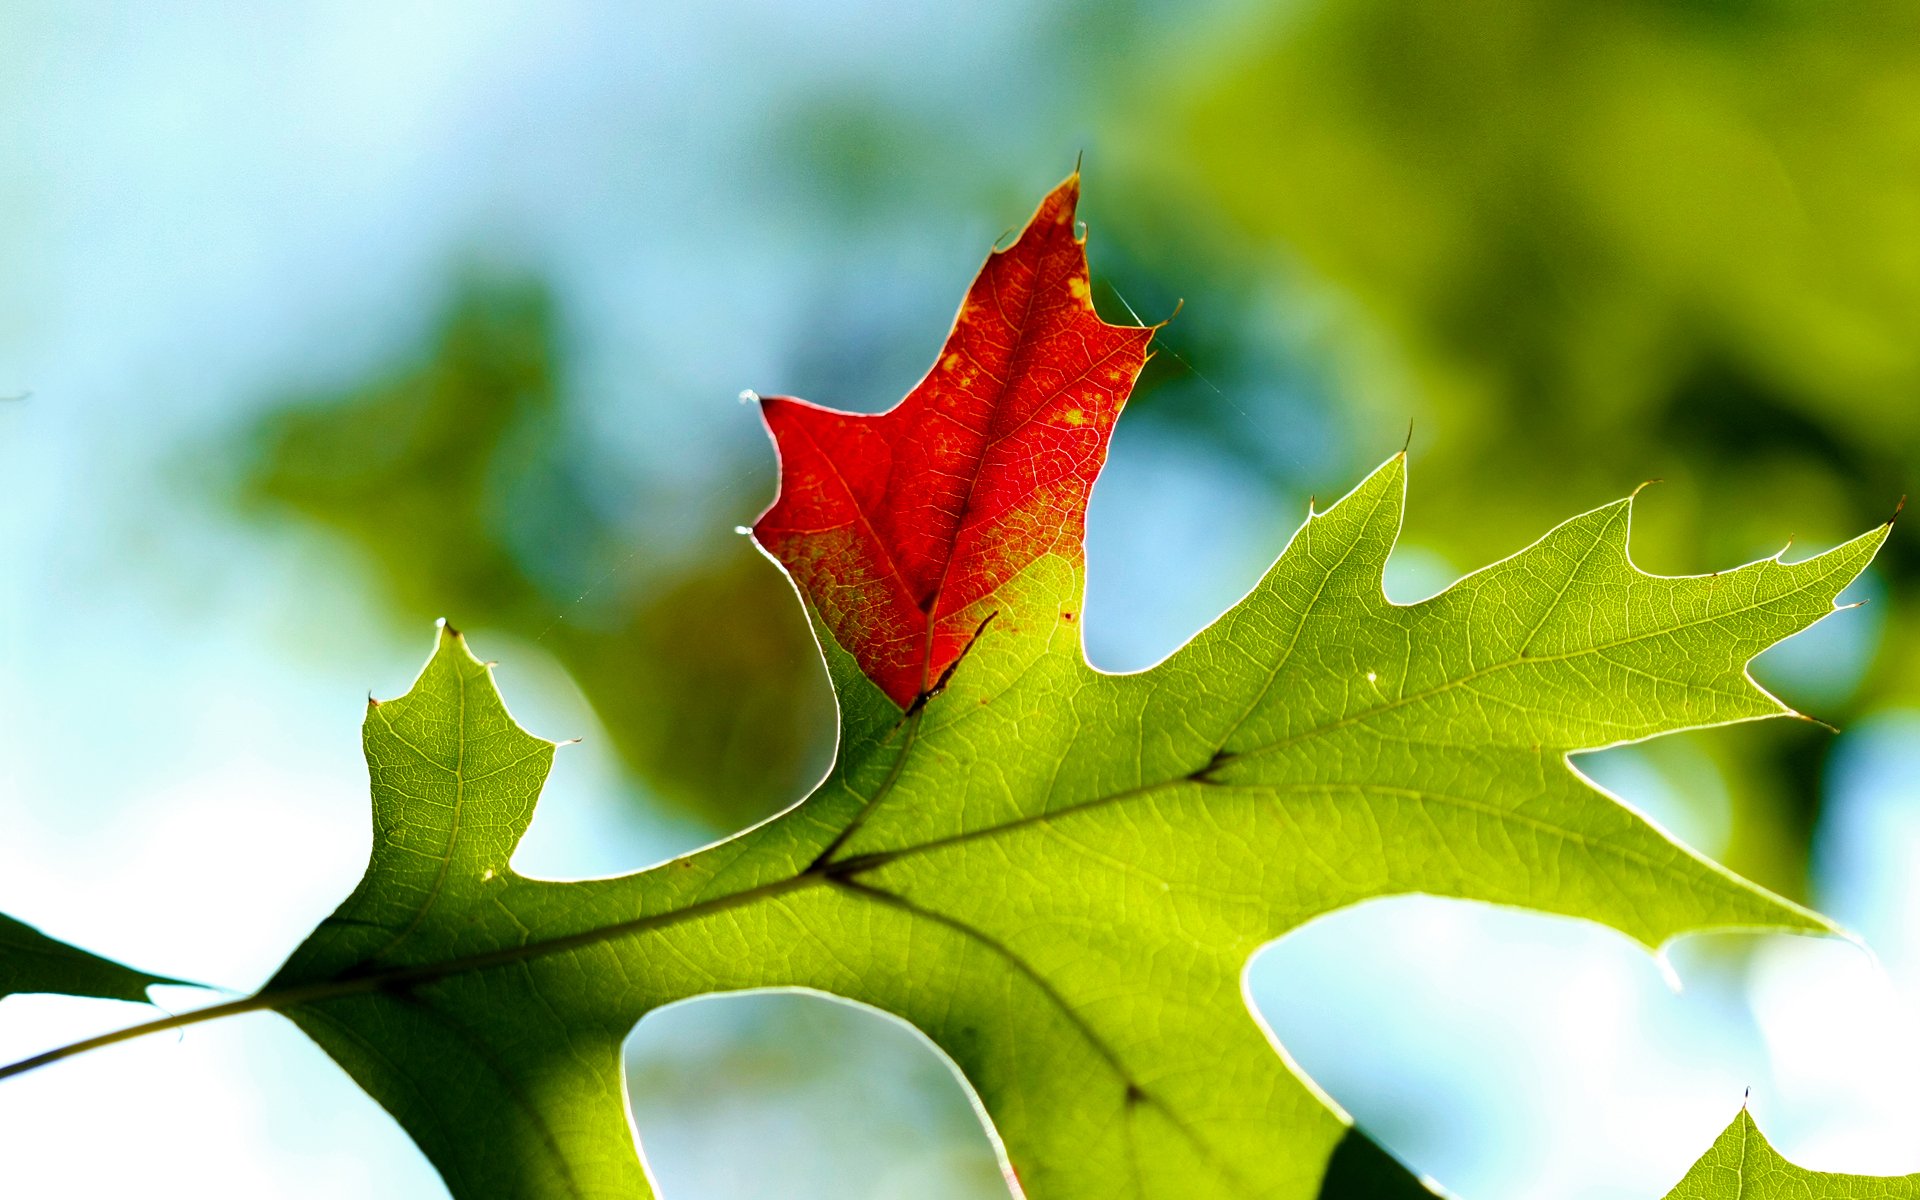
(1742, 1166)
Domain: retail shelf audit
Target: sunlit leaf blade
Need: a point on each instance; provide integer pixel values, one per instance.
(1057, 875)
(1060, 874)
(30, 961)
(1742, 1166)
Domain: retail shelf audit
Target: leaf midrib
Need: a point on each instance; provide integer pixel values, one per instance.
(458, 771)
(1020, 352)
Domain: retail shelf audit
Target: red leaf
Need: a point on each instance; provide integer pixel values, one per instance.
(901, 528)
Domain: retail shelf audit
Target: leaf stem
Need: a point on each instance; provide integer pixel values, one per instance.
(400, 978)
(255, 1003)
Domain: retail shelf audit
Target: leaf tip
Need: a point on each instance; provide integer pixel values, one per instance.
(1850, 938)
(1669, 974)
(1056, 210)
(1797, 715)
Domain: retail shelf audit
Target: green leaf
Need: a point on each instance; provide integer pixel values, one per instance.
(1058, 875)
(1742, 1166)
(30, 961)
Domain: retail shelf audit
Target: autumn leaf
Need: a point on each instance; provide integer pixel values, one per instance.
(1742, 1166)
(901, 529)
(1057, 875)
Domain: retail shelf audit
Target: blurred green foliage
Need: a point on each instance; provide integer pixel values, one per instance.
(1598, 240)
(453, 473)
(1586, 245)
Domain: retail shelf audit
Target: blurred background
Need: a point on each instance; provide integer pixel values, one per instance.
(320, 322)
